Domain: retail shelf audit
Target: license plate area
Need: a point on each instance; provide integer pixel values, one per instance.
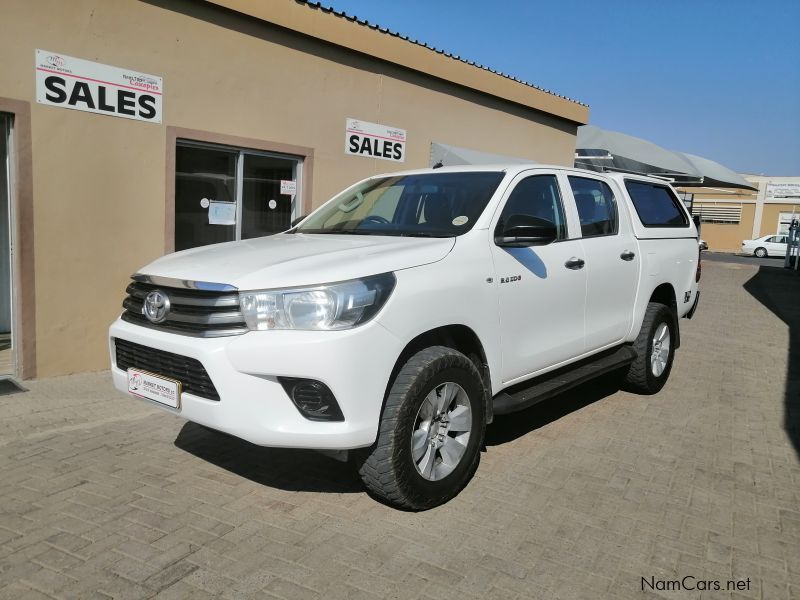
(155, 388)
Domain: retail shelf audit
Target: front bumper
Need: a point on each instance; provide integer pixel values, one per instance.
(355, 364)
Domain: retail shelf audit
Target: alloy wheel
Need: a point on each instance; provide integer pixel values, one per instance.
(659, 355)
(441, 431)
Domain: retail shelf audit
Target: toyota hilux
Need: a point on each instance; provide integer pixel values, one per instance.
(395, 320)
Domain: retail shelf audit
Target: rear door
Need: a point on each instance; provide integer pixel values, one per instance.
(612, 261)
(541, 299)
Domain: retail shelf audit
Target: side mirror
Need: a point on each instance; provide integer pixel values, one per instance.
(297, 220)
(522, 231)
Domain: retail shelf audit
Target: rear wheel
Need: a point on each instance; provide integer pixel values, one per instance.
(655, 349)
(760, 252)
(431, 433)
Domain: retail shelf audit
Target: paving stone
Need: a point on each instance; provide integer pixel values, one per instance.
(579, 497)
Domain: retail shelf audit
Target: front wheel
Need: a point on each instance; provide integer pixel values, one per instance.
(761, 252)
(431, 432)
(655, 350)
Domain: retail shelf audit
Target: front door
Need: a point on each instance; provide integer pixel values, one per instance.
(541, 299)
(777, 245)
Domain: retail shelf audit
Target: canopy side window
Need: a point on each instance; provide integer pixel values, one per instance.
(656, 205)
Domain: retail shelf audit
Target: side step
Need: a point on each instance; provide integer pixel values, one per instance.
(528, 393)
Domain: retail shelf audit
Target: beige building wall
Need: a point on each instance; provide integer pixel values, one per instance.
(727, 237)
(100, 183)
(771, 214)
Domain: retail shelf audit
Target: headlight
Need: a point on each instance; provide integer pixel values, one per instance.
(324, 307)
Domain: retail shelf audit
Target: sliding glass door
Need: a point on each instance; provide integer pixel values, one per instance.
(224, 194)
(6, 320)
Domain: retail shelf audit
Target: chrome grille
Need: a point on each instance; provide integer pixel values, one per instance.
(189, 371)
(193, 312)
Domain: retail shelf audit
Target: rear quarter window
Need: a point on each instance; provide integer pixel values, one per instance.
(656, 205)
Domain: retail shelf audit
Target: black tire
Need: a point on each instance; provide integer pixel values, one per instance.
(640, 377)
(389, 470)
(761, 252)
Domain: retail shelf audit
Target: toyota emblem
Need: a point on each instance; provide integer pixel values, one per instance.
(156, 306)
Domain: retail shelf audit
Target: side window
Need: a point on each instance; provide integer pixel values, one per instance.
(772, 239)
(535, 199)
(597, 208)
(656, 205)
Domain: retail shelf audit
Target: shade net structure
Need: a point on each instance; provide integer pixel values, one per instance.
(717, 175)
(603, 150)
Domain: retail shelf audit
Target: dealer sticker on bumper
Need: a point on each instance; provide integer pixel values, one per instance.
(155, 388)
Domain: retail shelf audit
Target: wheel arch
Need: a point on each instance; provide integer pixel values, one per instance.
(458, 337)
(665, 294)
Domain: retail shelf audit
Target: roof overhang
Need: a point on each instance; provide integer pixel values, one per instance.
(334, 28)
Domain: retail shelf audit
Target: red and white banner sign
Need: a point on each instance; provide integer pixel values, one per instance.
(375, 141)
(69, 82)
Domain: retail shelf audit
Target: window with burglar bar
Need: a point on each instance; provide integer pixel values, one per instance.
(717, 213)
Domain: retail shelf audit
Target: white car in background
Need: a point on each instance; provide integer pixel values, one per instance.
(766, 245)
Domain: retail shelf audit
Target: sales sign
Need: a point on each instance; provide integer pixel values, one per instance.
(88, 86)
(783, 190)
(375, 141)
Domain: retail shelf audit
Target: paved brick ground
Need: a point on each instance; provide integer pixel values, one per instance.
(580, 497)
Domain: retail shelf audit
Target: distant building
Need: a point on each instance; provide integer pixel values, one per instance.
(729, 216)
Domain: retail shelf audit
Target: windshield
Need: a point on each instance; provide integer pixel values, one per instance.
(428, 205)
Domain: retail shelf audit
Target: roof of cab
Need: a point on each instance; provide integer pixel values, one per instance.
(516, 168)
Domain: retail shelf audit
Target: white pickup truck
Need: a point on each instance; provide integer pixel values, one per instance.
(404, 313)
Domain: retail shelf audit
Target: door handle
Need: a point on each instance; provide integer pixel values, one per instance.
(575, 263)
(627, 255)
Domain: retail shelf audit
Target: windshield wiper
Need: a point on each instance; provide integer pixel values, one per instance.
(393, 233)
(426, 234)
(347, 232)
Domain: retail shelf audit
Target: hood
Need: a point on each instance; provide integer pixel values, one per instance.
(286, 260)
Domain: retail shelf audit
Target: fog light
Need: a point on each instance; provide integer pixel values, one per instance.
(313, 399)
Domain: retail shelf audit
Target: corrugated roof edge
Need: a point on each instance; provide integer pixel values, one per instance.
(386, 30)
